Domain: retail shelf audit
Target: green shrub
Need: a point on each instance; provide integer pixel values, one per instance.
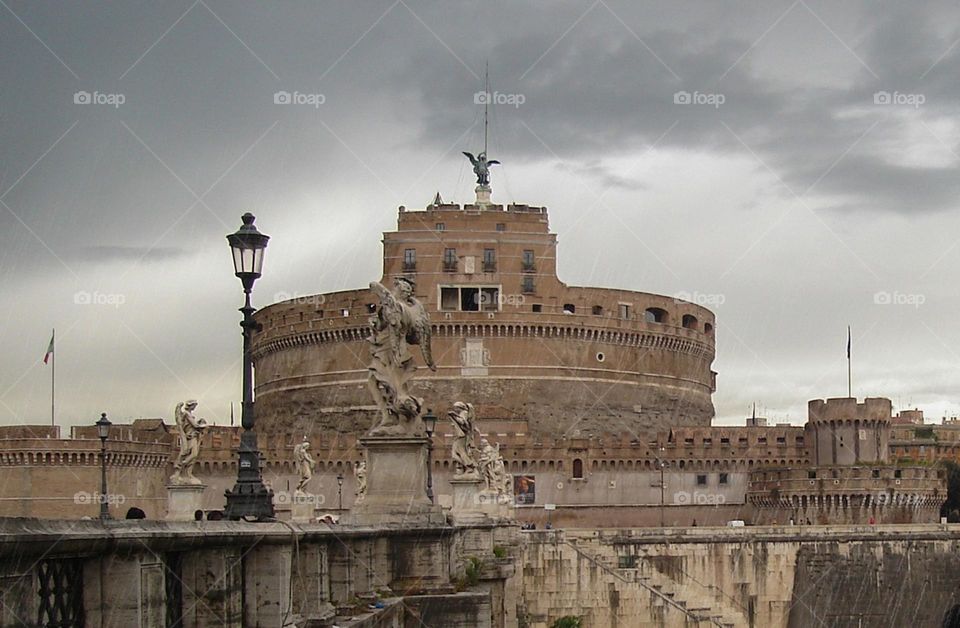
(499, 551)
(570, 621)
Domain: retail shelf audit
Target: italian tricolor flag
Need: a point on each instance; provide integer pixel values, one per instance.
(49, 354)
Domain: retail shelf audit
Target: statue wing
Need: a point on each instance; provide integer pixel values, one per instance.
(423, 333)
(470, 156)
(387, 301)
(493, 161)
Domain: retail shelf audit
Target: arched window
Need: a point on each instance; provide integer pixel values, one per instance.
(689, 321)
(655, 315)
(577, 469)
(569, 308)
(707, 328)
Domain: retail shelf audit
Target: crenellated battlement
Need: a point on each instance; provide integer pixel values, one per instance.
(848, 409)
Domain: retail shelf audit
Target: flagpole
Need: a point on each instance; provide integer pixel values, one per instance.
(849, 370)
(53, 380)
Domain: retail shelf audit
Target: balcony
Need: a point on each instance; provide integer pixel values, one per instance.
(528, 267)
(409, 267)
(450, 266)
(489, 267)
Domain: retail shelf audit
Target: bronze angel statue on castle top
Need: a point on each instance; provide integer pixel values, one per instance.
(481, 166)
(400, 320)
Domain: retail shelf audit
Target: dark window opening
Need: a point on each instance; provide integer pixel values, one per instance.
(409, 260)
(526, 286)
(655, 315)
(569, 308)
(449, 260)
(489, 260)
(701, 479)
(598, 310)
(528, 264)
(689, 321)
(577, 469)
(724, 478)
(441, 226)
(537, 307)
(501, 226)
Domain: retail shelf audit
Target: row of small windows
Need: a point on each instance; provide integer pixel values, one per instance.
(650, 315)
(451, 261)
(722, 479)
(501, 226)
(743, 441)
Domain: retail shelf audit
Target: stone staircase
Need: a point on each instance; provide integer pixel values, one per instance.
(703, 604)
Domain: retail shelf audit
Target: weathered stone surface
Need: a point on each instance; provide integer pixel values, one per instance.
(396, 484)
(183, 500)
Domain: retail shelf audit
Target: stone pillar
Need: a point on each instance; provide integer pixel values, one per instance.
(266, 586)
(213, 588)
(124, 591)
(311, 586)
(183, 500)
(396, 484)
(483, 195)
(467, 506)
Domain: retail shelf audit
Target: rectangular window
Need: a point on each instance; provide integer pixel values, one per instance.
(724, 478)
(812, 475)
(537, 307)
(449, 299)
(528, 265)
(409, 260)
(701, 479)
(688, 442)
(624, 311)
(724, 441)
(489, 299)
(449, 260)
(526, 285)
(441, 226)
(489, 260)
(707, 442)
(762, 440)
(470, 299)
(781, 440)
(501, 226)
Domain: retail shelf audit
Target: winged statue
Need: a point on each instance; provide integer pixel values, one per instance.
(400, 320)
(481, 166)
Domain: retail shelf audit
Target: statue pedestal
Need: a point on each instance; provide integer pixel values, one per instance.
(472, 503)
(183, 500)
(304, 507)
(483, 195)
(396, 484)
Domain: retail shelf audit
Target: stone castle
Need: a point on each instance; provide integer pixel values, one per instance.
(600, 400)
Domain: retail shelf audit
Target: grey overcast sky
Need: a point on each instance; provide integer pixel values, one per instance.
(810, 182)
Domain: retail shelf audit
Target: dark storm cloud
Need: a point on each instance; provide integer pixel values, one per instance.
(121, 196)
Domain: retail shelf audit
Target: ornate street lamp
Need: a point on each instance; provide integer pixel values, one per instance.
(103, 431)
(340, 491)
(249, 497)
(429, 425)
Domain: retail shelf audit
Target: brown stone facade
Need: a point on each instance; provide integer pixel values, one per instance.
(508, 335)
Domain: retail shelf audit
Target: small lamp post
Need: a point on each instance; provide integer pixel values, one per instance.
(429, 425)
(662, 485)
(340, 491)
(249, 496)
(103, 431)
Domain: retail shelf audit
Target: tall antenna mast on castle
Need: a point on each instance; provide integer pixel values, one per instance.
(486, 103)
(481, 165)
